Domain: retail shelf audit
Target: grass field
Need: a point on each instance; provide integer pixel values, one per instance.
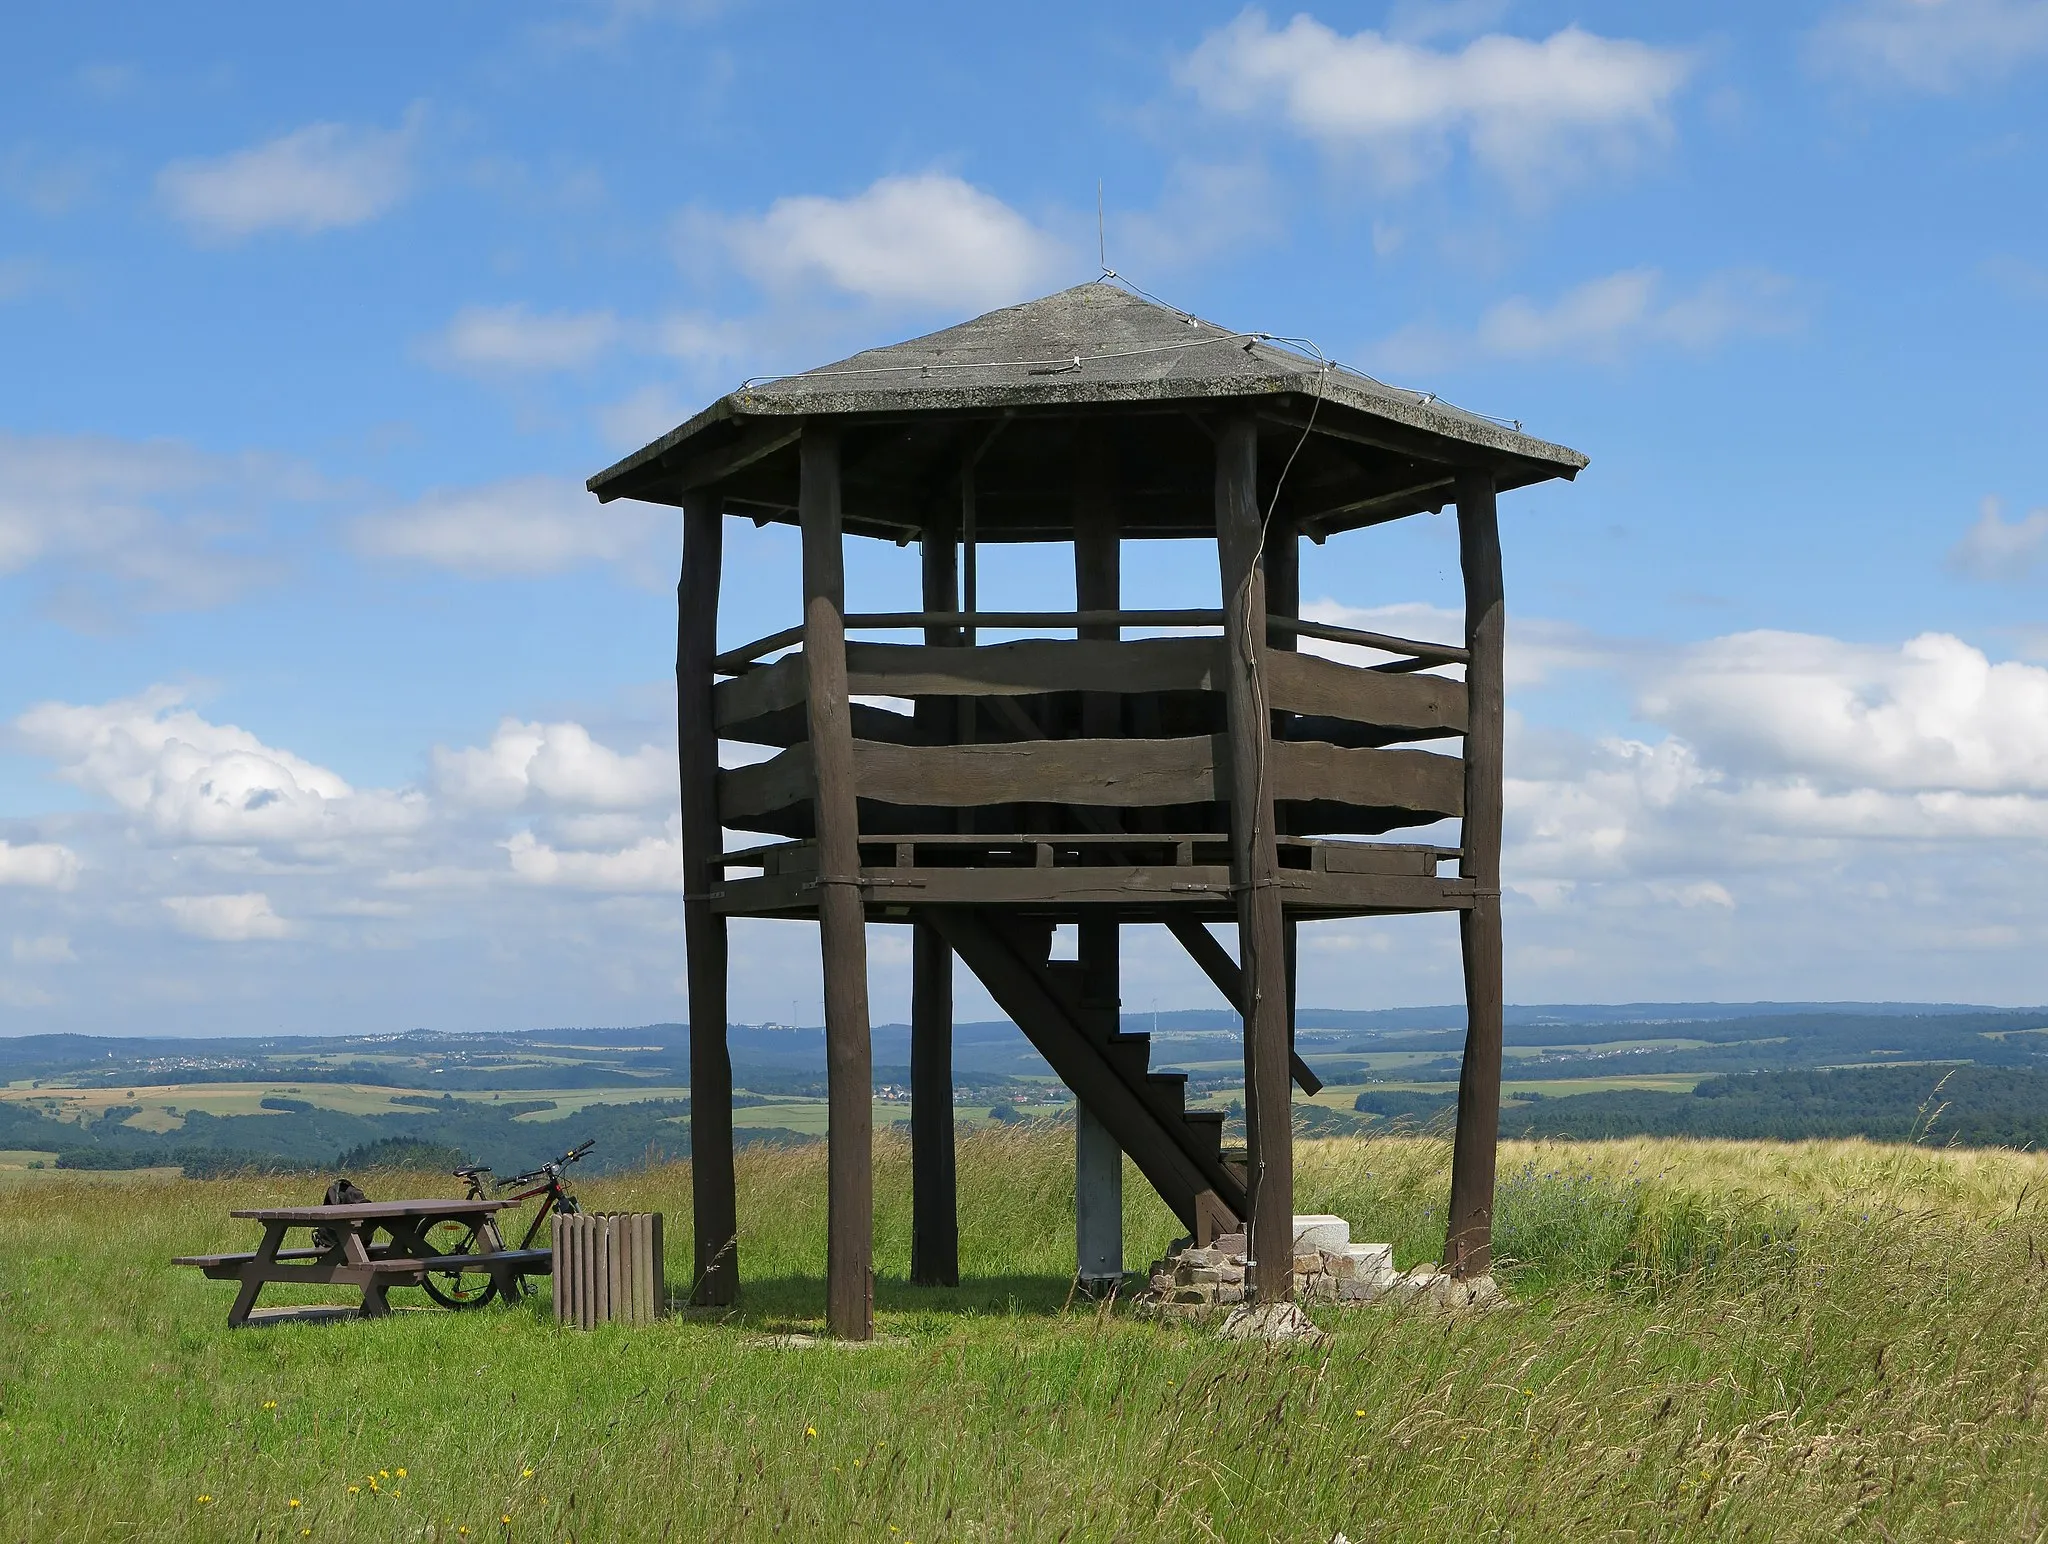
(1715, 1341)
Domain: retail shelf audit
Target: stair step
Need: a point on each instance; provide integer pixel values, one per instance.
(1168, 1092)
(1206, 1127)
(1131, 1055)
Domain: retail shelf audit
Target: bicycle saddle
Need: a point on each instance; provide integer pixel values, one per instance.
(469, 1169)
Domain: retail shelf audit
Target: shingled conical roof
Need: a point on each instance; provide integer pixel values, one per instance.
(1093, 348)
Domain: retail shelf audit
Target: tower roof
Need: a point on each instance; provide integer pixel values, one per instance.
(1093, 351)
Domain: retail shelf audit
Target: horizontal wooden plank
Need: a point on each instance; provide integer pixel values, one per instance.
(1296, 683)
(747, 794)
(1118, 774)
(1309, 771)
(1308, 683)
(1036, 665)
(1202, 886)
(1115, 774)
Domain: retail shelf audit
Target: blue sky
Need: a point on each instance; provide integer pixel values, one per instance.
(330, 702)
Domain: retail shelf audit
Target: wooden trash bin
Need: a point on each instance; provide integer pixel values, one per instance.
(608, 1268)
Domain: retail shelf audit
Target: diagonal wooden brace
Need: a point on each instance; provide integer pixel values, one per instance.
(1206, 951)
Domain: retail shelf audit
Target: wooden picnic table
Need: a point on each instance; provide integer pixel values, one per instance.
(358, 1258)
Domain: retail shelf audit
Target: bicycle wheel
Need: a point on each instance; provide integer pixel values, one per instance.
(456, 1287)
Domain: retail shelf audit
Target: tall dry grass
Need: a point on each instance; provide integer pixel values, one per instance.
(1708, 1341)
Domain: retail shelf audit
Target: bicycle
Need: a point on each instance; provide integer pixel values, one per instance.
(472, 1288)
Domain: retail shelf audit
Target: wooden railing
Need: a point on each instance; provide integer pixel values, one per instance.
(1414, 654)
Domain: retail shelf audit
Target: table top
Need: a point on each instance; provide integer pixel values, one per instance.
(372, 1211)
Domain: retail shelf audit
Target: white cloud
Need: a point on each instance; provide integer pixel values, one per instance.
(491, 340)
(157, 519)
(43, 865)
(1994, 549)
(226, 918)
(522, 525)
(1932, 715)
(1533, 112)
(1938, 46)
(1605, 318)
(929, 240)
(556, 763)
(49, 949)
(321, 177)
(640, 416)
(188, 780)
(1205, 208)
(654, 863)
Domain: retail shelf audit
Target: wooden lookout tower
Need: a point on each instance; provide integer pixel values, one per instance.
(1098, 767)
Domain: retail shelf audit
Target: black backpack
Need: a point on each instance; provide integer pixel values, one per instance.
(343, 1192)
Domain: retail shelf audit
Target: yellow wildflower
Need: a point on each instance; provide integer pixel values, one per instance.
(203, 1500)
(526, 1474)
(401, 1471)
(270, 1404)
(810, 1431)
(506, 1519)
(355, 1490)
(293, 1503)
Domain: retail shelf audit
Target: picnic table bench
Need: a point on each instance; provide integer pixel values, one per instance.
(359, 1259)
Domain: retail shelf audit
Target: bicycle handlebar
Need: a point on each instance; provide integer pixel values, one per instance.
(549, 1170)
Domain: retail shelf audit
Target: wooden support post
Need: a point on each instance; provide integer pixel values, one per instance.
(1283, 599)
(713, 1204)
(1262, 948)
(934, 1201)
(1098, 1161)
(1468, 1245)
(842, 920)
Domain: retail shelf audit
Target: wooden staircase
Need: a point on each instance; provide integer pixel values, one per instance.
(1180, 1151)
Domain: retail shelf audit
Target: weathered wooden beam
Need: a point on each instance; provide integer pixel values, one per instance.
(756, 444)
(1320, 524)
(1098, 1161)
(1203, 887)
(1116, 774)
(714, 1207)
(1255, 865)
(1468, 1244)
(842, 917)
(1207, 951)
(1304, 684)
(934, 1191)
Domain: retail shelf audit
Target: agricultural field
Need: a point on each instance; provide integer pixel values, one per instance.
(512, 1100)
(1704, 1341)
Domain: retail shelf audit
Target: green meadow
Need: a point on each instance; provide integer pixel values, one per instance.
(1704, 1341)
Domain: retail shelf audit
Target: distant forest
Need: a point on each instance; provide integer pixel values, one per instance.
(1966, 1106)
(1766, 1070)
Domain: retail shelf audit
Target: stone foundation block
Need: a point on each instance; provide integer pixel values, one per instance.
(1318, 1231)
